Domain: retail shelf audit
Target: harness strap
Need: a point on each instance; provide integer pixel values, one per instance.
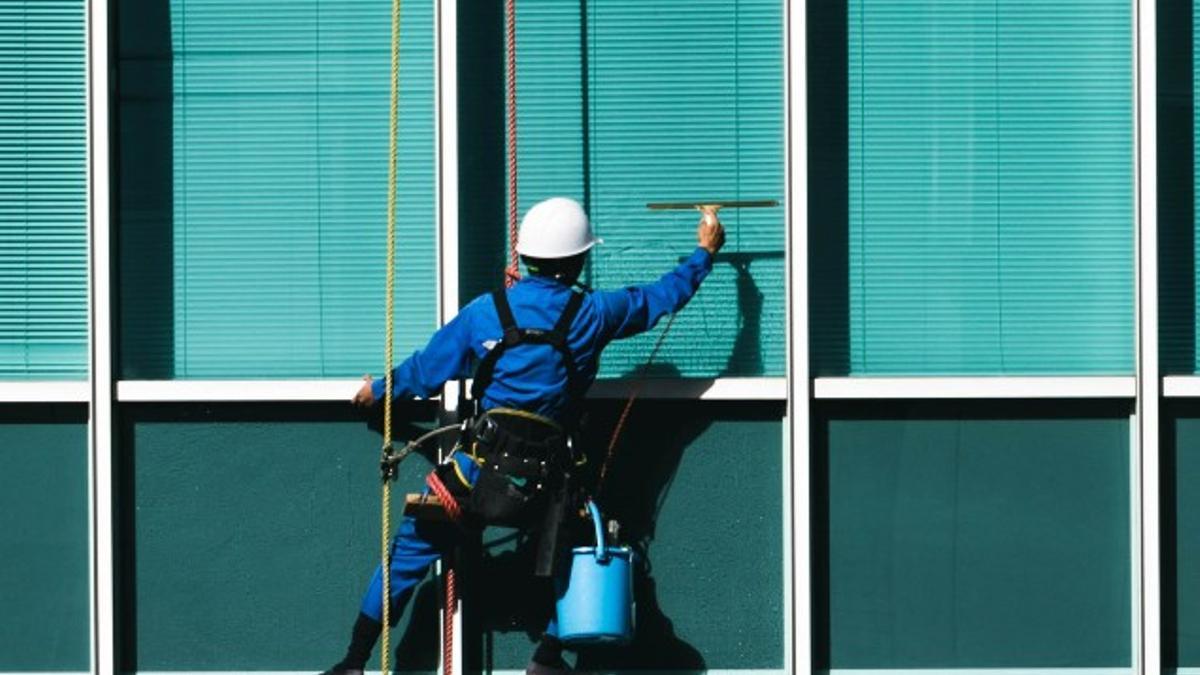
(514, 335)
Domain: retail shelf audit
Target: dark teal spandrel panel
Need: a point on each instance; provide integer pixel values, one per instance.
(250, 536)
(700, 488)
(990, 154)
(247, 525)
(1182, 605)
(617, 107)
(43, 190)
(44, 585)
(254, 187)
(963, 539)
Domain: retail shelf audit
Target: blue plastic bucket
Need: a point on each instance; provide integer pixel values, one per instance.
(595, 603)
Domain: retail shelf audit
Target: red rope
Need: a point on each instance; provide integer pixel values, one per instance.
(512, 273)
(448, 620)
(449, 503)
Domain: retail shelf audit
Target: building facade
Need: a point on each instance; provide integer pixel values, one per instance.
(934, 411)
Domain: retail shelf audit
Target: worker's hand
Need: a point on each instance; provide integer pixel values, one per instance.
(710, 233)
(365, 398)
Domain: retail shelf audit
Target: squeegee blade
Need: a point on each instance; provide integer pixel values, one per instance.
(725, 204)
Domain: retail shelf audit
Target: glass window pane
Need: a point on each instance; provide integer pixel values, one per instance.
(1176, 194)
(965, 536)
(43, 191)
(624, 103)
(254, 141)
(986, 189)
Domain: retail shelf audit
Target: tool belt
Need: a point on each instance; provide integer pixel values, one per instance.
(524, 478)
(522, 460)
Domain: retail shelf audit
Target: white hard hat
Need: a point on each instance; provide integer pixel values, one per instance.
(555, 228)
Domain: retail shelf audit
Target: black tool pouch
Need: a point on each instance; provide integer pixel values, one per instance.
(520, 460)
(498, 500)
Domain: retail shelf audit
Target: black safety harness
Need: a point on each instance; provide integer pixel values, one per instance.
(525, 459)
(515, 335)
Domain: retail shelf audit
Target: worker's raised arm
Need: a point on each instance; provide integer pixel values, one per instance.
(423, 373)
(636, 309)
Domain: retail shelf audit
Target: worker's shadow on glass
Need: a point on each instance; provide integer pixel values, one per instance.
(746, 359)
(639, 483)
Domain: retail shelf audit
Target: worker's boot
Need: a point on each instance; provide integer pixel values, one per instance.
(362, 641)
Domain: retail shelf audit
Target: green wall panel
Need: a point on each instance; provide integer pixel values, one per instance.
(1181, 588)
(968, 537)
(43, 191)
(614, 110)
(249, 536)
(254, 145)
(44, 585)
(698, 489)
(990, 189)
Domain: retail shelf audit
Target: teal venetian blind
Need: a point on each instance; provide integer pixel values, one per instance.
(43, 191)
(279, 179)
(990, 187)
(623, 103)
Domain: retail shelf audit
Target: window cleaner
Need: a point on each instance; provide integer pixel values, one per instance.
(538, 345)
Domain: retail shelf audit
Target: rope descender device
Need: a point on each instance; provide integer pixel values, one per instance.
(388, 461)
(390, 457)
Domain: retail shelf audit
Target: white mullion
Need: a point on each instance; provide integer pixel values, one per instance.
(446, 122)
(45, 392)
(1147, 649)
(446, 41)
(1181, 386)
(215, 391)
(102, 606)
(798, 659)
(974, 387)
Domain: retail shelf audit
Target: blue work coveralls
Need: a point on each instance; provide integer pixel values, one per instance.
(529, 378)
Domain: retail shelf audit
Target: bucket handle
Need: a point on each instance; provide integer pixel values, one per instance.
(601, 548)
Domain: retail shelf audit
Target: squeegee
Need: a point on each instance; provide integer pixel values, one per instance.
(710, 207)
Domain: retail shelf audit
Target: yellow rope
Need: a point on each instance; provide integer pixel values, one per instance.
(389, 302)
